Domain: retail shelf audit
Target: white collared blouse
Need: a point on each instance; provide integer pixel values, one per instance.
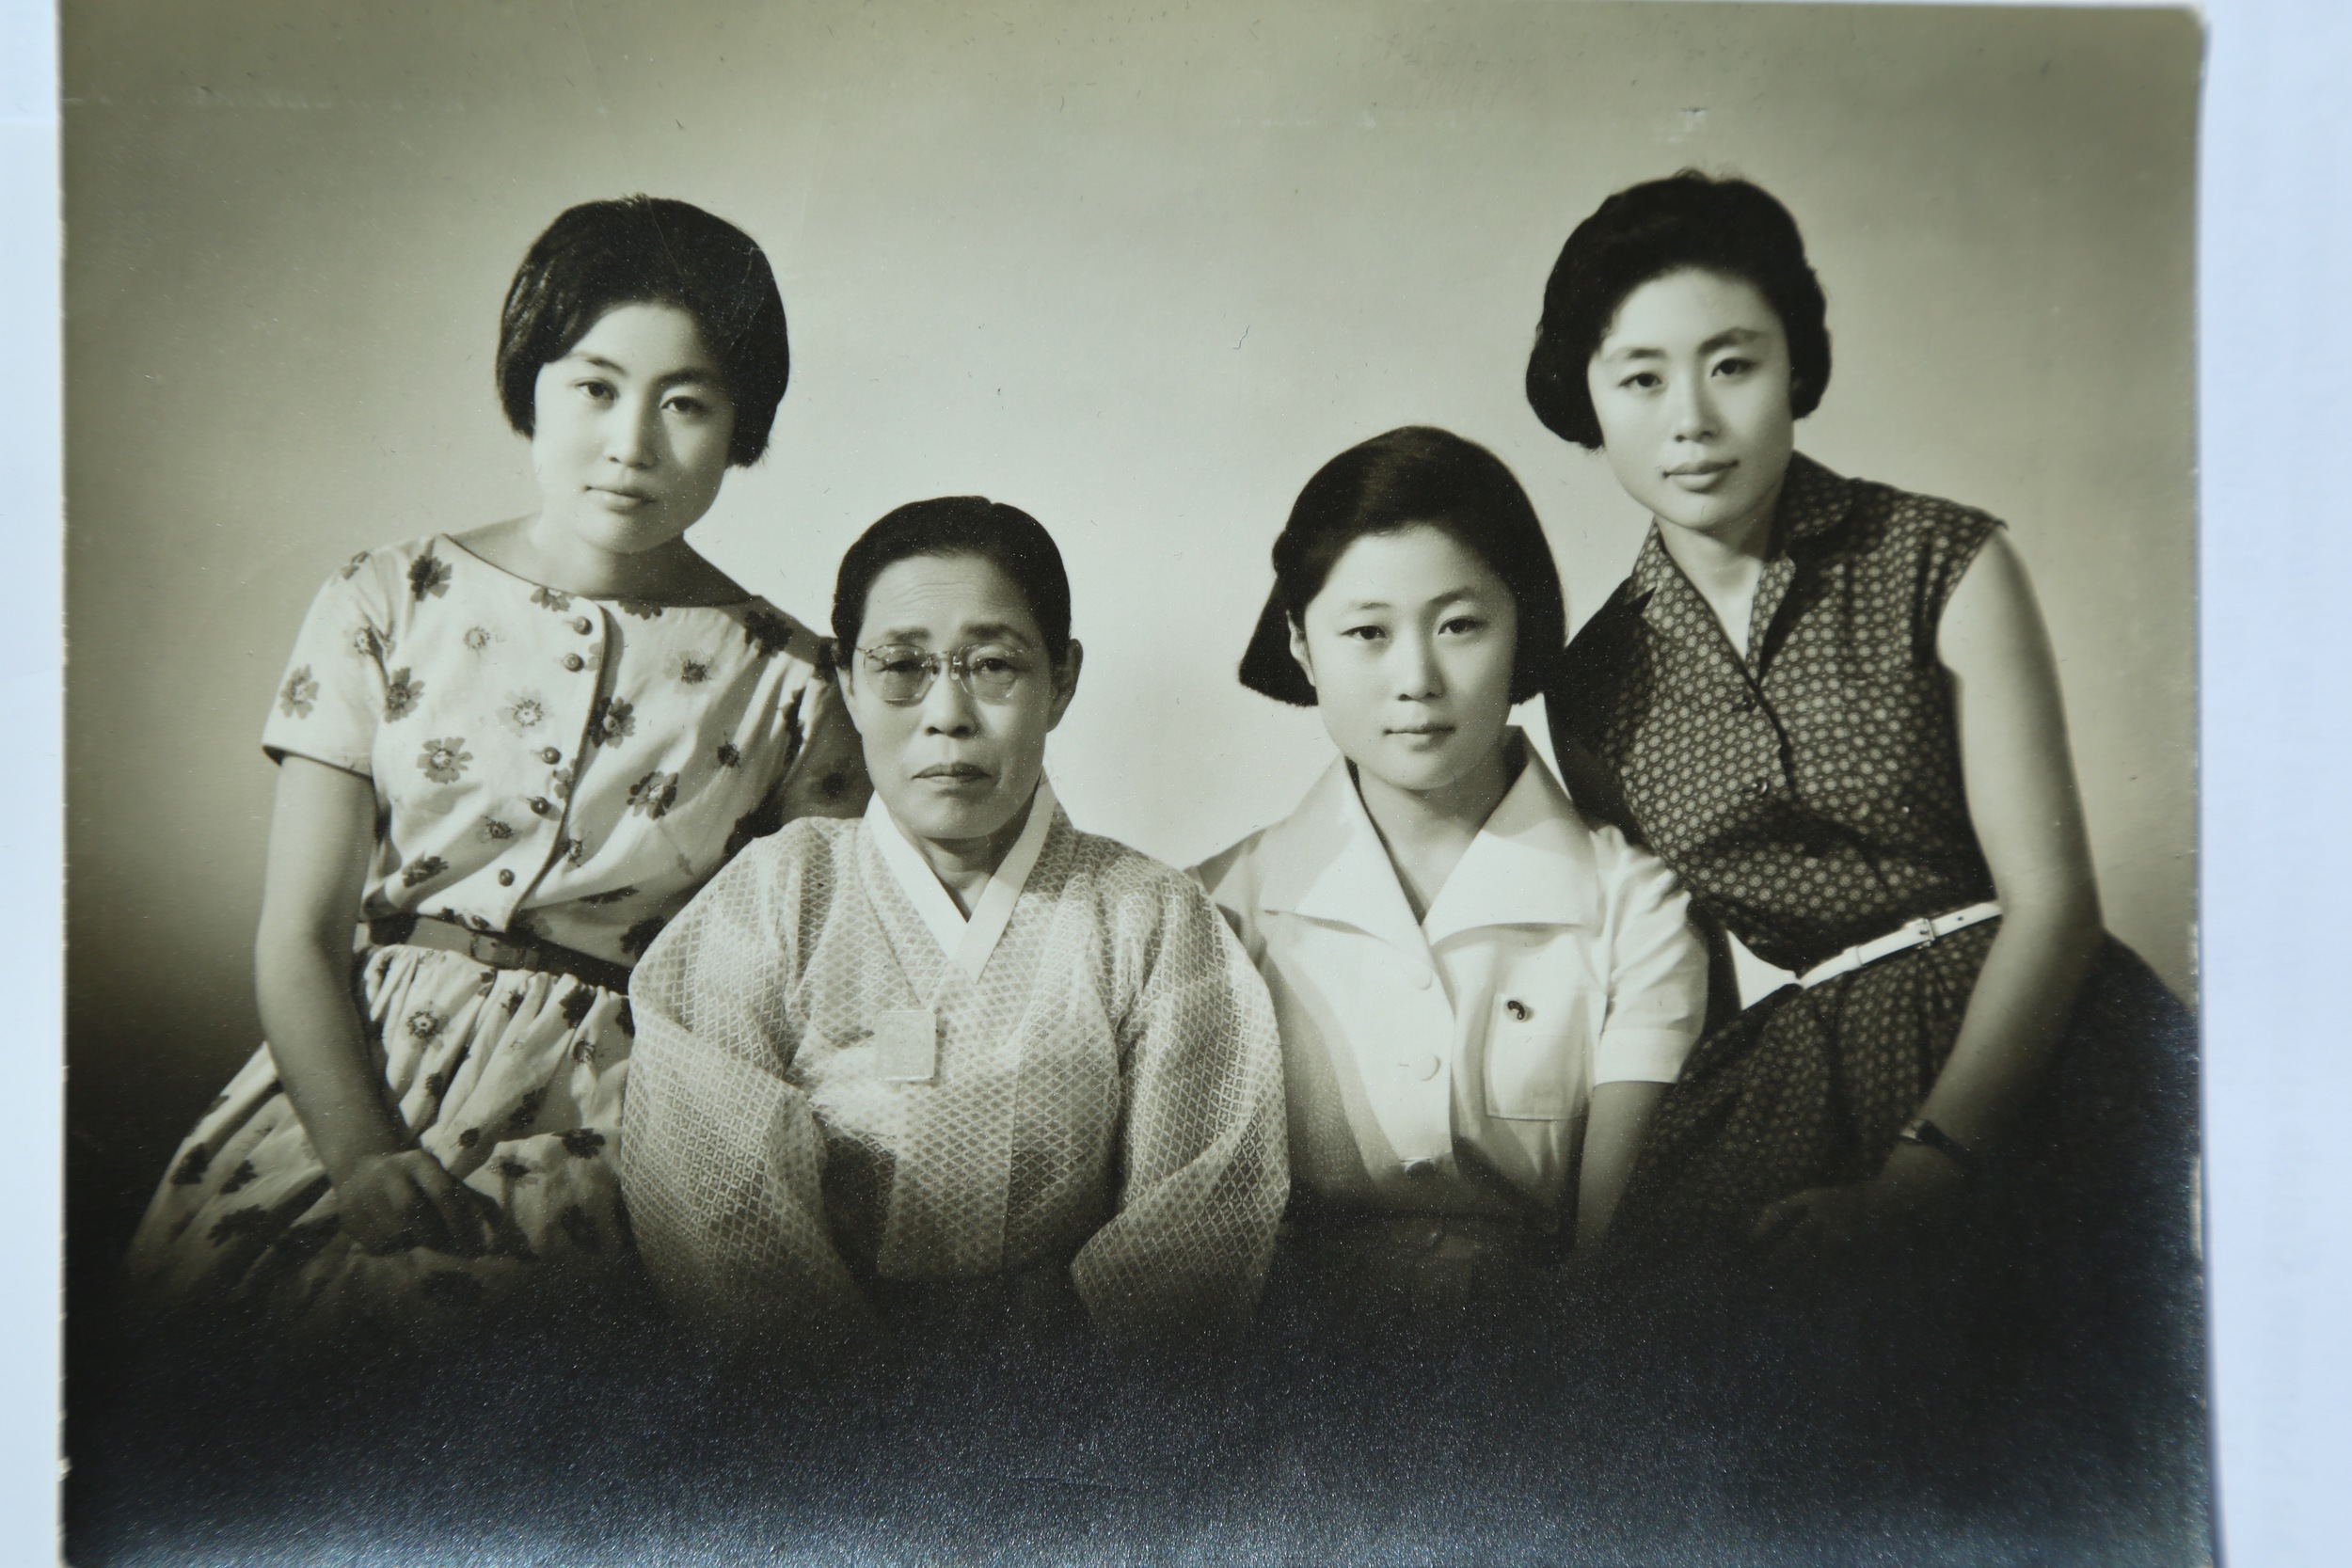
(1556, 957)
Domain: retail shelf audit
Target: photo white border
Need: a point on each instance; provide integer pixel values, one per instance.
(2275, 552)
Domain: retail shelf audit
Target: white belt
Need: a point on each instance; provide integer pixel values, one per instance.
(1910, 934)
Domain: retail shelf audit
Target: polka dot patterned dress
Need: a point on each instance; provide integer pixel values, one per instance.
(1809, 794)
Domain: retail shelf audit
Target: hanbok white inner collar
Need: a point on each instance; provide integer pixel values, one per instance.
(966, 943)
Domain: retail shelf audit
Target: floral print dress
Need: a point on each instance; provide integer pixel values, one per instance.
(547, 768)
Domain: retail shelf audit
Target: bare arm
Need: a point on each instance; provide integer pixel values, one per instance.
(321, 836)
(2023, 802)
(2028, 819)
(1614, 1129)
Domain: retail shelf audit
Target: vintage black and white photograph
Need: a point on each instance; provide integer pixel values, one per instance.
(1367, 781)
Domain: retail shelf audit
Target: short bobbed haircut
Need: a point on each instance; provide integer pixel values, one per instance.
(1008, 538)
(1413, 477)
(649, 251)
(1688, 220)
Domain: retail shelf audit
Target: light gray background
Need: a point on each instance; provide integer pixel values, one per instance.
(1139, 275)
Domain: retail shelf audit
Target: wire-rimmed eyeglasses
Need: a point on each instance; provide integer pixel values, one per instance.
(902, 673)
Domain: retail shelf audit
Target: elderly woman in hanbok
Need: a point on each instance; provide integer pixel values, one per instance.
(955, 1051)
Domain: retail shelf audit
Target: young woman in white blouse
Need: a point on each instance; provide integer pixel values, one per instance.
(1481, 995)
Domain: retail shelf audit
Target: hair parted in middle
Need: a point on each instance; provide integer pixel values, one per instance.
(1416, 475)
(649, 251)
(1006, 537)
(1690, 220)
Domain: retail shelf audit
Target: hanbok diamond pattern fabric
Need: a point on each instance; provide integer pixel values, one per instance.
(1108, 1095)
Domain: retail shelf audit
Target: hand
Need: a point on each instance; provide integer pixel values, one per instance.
(1906, 1195)
(393, 1202)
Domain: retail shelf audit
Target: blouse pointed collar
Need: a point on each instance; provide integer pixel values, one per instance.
(1530, 865)
(966, 943)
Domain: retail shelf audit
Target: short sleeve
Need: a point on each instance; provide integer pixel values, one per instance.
(332, 696)
(1657, 970)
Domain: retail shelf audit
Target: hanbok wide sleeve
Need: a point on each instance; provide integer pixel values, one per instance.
(1203, 1174)
(720, 1157)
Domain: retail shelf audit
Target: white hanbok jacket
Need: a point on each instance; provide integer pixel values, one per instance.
(838, 1079)
(1445, 1065)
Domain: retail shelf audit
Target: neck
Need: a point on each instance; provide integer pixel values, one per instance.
(1426, 832)
(563, 561)
(1729, 555)
(964, 865)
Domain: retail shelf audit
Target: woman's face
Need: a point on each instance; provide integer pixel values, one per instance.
(630, 431)
(1692, 386)
(1410, 648)
(954, 767)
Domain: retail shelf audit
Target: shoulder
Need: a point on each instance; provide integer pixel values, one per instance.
(1912, 526)
(1233, 876)
(772, 634)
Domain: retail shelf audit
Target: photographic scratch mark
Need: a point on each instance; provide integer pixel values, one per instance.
(1243, 339)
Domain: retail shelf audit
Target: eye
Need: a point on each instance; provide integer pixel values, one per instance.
(692, 405)
(1734, 366)
(1641, 381)
(594, 390)
(993, 661)
(1364, 633)
(1462, 626)
(897, 661)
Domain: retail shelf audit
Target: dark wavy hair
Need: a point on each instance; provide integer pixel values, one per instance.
(1416, 475)
(1004, 536)
(649, 251)
(1644, 232)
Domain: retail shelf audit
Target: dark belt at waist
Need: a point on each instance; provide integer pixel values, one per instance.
(498, 949)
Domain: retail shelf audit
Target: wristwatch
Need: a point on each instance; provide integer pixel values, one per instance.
(1921, 1130)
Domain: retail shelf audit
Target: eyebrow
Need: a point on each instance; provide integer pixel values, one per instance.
(1464, 592)
(1725, 339)
(673, 379)
(987, 631)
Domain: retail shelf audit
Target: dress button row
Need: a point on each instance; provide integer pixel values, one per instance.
(574, 662)
(540, 805)
(583, 626)
(551, 755)
(506, 878)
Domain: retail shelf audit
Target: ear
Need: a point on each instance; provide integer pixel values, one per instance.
(841, 679)
(1298, 650)
(1065, 682)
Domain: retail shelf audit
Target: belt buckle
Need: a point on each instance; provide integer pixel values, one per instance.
(1924, 928)
(483, 947)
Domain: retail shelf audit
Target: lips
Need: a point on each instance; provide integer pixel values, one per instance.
(1703, 470)
(614, 494)
(952, 772)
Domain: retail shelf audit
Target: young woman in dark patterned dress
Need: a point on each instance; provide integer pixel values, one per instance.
(1831, 706)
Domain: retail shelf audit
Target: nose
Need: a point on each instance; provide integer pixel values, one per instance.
(632, 432)
(947, 708)
(1415, 661)
(1693, 407)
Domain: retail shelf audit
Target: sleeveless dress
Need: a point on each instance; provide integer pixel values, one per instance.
(550, 768)
(1809, 794)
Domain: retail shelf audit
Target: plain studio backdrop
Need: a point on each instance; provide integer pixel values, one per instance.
(1137, 273)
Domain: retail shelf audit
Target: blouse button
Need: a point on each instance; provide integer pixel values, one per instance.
(506, 878)
(549, 755)
(540, 805)
(1518, 1010)
(574, 662)
(583, 626)
(1760, 789)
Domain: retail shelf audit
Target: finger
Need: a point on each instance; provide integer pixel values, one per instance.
(456, 1215)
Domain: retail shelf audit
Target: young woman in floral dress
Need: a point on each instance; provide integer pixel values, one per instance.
(510, 755)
